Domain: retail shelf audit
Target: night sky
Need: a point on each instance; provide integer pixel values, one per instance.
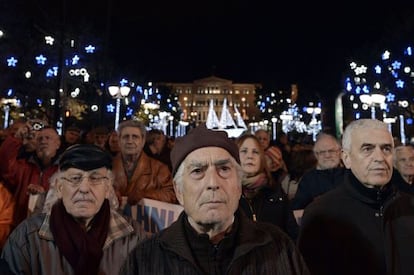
(254, 41)
(270, 42)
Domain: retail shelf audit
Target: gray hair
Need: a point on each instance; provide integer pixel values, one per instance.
(52, 195)
(133, 123)
(361, 124)
(178, 178)
(322, 136)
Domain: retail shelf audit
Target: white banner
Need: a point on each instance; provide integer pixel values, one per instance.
(153, 215)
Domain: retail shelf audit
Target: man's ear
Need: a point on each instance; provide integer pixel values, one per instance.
(178, 194)
(58, 187)
(108, 191)
(346, 159)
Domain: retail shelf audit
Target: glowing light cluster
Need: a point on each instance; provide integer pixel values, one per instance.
(392, 77)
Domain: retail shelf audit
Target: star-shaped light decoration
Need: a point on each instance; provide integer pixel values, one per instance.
(386, 55)
(123, 82)
(378, 69)
(11, 62)
(52, 72)
(110, 108)
(399, 83)
(49, 40)
(41, 60)
(129, 111)
(90, 49)
(360, 70)
(396, 65)
(390, 97)
(75, 59)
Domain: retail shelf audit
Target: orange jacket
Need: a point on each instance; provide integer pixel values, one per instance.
(151, 179)
(6, 214)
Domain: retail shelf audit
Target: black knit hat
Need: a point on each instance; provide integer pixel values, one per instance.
(201, 137)
(85, 157)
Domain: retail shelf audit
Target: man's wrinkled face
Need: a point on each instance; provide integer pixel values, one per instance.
(211, 187)
(404, 160)
(371, 156)
(48, 142)
(83, 192)
(131, 141)
(327, 153)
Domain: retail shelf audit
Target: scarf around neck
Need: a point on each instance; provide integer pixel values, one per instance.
(81, 248)
(251, 185)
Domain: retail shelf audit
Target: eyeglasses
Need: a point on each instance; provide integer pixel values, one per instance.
(327, 152)
(94, 180)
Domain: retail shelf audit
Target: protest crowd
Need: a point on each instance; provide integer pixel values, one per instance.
(133, 200)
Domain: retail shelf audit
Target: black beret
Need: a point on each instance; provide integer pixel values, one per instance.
(85, 157)
(201, 137)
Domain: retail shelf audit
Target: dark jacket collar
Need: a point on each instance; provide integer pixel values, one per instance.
(248, 236)
(375, 196)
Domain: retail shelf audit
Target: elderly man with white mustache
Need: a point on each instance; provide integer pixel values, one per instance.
(211, 236)
(365, 225)
(80, 231)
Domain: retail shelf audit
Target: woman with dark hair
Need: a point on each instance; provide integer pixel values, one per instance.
(263, 198)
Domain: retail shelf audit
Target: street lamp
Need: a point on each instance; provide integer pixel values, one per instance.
(118, 93)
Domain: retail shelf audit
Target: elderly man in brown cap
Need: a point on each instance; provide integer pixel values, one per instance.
(137, 175)
(81, 231)
(211, 236)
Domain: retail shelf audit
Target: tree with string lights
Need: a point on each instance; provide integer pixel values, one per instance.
(382, 89)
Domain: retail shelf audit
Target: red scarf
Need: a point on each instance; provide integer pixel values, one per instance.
(82, 249)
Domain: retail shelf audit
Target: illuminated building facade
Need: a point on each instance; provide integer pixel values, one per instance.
(195, 98)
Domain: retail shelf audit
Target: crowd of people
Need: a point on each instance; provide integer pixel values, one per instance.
(252, 205)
